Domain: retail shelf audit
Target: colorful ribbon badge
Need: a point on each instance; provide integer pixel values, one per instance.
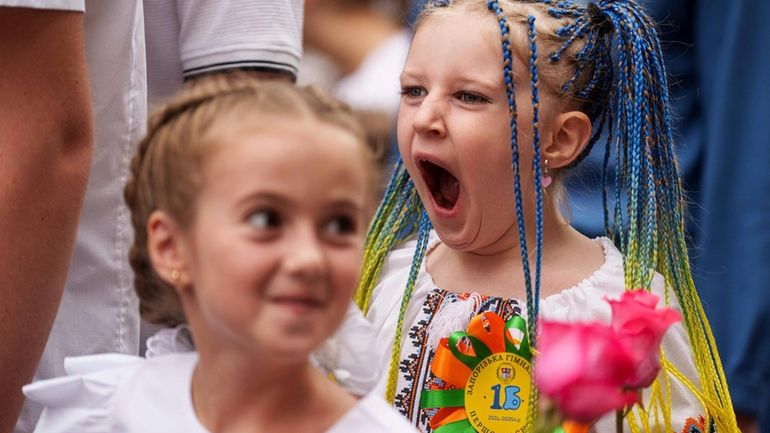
(489, 364)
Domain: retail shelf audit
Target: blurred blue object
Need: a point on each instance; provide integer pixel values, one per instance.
(732, 253)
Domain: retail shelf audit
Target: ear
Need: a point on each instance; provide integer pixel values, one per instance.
(571, 132)
(166, 248)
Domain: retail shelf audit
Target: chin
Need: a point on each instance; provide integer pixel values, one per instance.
(461, 239)
(293, 346)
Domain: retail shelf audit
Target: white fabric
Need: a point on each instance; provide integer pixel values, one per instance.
(128, 394)
(99, 311)
(375, 85)
(68, 5)
(119, 393)
(358, 380)
(188, 37)
(583, 302)
(372, 415)
(355, 373)
(170, 340)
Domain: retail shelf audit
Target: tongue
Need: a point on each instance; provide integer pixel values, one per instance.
(448, 191)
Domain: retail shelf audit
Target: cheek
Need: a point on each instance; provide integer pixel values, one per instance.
(345, 271)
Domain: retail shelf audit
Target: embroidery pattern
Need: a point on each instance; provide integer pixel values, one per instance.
(414, 368)
(693, 425)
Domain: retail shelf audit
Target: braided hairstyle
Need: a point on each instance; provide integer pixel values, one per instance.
(603, 59)
(165, 172)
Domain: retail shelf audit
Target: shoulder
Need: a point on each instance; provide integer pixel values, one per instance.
(103, 391)
(587, 299)
(372, 415)
(388, 293)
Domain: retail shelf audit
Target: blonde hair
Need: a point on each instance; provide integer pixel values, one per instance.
(165, 172)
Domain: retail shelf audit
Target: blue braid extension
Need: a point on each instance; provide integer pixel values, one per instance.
(629, 91)
(494, 6)
(536, 164)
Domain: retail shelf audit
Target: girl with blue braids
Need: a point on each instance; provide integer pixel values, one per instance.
(500, 100)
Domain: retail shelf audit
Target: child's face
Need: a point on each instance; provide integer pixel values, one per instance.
(273, 253)
(454, 129)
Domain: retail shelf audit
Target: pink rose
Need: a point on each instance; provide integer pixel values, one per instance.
(640, 326)
(582, 368)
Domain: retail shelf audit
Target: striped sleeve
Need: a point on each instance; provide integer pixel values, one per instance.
(240, 34)
(64, 5)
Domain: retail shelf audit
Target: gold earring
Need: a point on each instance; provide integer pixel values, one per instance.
(175, 275)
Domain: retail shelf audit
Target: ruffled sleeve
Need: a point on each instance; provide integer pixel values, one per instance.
(82, 402)
(365, 343)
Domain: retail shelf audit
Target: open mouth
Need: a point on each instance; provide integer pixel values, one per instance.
(443, 186)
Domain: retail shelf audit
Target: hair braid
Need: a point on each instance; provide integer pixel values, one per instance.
(646, 174)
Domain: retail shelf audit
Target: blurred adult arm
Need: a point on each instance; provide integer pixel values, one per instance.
(46, 141)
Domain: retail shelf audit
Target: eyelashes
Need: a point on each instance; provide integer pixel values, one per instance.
(413, 92)
(464, 96)
(267, 222)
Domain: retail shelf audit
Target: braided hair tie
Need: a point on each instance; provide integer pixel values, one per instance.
(600, 22)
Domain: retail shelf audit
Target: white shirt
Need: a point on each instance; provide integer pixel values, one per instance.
(189, 37)
(99, 311)
(128, 394)
(583, 302)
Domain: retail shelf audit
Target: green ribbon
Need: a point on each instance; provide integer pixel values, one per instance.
(456, 397)
(479, 348)
(518, 322)
(462, 426)
(442, 398)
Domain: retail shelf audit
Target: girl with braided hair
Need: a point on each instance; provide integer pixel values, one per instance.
(500, 100)
(249, 202)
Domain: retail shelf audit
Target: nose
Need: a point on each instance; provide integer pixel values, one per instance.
(305, 256)
(429, 118)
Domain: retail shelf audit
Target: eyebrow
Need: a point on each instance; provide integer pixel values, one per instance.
(345, 204)
(489, 85)
(410, 74)
(460, 77)
(280, 200)
(266, 196)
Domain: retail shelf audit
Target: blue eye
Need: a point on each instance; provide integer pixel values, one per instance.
(264, 219)
(413, 92)
(471, 98)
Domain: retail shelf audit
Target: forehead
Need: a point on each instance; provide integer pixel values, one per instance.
(456, 40)
(284, 154)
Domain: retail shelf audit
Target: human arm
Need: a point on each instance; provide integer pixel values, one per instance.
(45, 153)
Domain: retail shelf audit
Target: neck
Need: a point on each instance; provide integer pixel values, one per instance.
(347, 36)
(233, 392)
(496, 269)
